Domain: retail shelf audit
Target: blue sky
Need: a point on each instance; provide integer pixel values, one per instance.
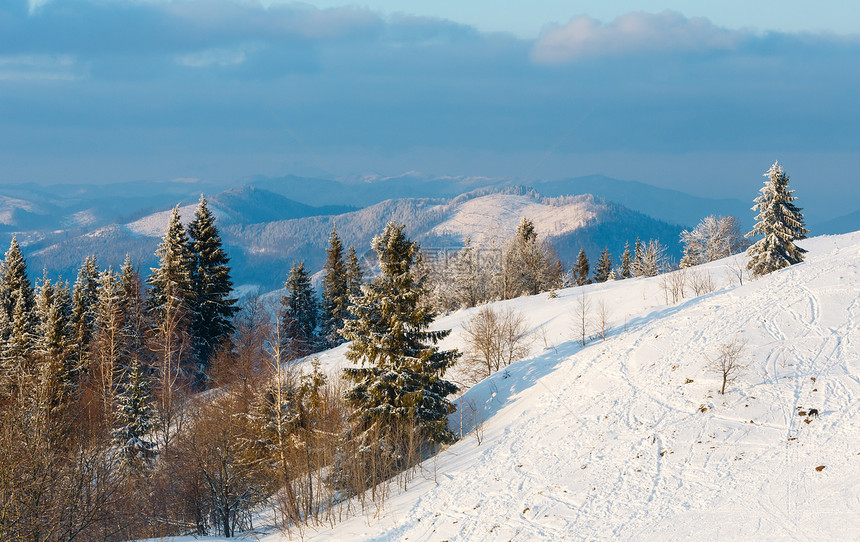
(698, 96)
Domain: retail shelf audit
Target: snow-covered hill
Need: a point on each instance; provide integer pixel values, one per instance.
(629, 439)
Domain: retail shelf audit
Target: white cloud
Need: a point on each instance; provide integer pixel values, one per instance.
(48, 67)
(633, 33)
(212, 57)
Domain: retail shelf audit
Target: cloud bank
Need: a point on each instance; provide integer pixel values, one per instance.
(118, 90)
(634, 33)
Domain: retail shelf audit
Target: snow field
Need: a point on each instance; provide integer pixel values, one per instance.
(629, 439)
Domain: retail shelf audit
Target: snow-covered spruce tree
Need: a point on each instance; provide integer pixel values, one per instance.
(399, 377)
(109, 356)
(354, 273)
(19, 314)
(171, 282)
(529, 266)
(779, 222)
(638, 254)
(84, 300)
(626, 263)
(135, 415)
(132, 301)
(603, 267)
(469, 289)
(212, 309)
(55, 350)
(169, 302)
(581, 268)
(299, 315)
(335, 292)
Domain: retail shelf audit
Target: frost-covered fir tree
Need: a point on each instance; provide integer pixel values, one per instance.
(17, 332)
(59, 372)
(638, 254)
(14, 281)
(469, 288)
(779, 223)
(399, 377)
(299, 314)
(354, 273)
(84, 301)
(603, 267)
(134, 416)
(212, 308)
(109, 354)
(626, 263)
(132, 300)
(581, 268)
(335, 292)
(170, 298)
(171, 282)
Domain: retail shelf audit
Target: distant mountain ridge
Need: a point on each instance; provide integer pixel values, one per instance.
(269, 222)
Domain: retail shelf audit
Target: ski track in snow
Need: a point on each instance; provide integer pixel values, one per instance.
(609, 441)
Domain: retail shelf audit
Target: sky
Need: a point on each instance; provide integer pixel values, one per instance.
(697, 96)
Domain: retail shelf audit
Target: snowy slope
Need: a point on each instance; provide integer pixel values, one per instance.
(608, 441)
(628, 439)
(498, 215)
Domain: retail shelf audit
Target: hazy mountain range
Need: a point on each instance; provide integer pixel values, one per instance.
(267, 223)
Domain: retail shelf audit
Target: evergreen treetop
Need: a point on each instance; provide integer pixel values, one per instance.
(603, 267)
(581, 268)
(171, 282)
(779, 222)
(335, 291)
(211, 305)
(299, 316)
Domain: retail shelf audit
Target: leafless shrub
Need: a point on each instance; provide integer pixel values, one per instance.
(494, 340)
(739, 270)
(674, 285)
(701, 282)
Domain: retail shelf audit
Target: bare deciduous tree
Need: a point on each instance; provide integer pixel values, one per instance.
(602, 319)
(728, 361)
(582, 316)
(495, 340)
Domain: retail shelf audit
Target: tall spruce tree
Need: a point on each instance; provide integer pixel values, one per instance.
(135, 418)
(299, 314)
(59, 372)
(638, 268)
(354, 273)
(15, 281)
(468, 286)
(399, 377)
(212, 309)
(109, 348)
(84, 301)
(581, 268)
(603, 267)
(19, 313)
(780, 223)
(626, 264)
(132, 301)
(335, 292)
(171, 282)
